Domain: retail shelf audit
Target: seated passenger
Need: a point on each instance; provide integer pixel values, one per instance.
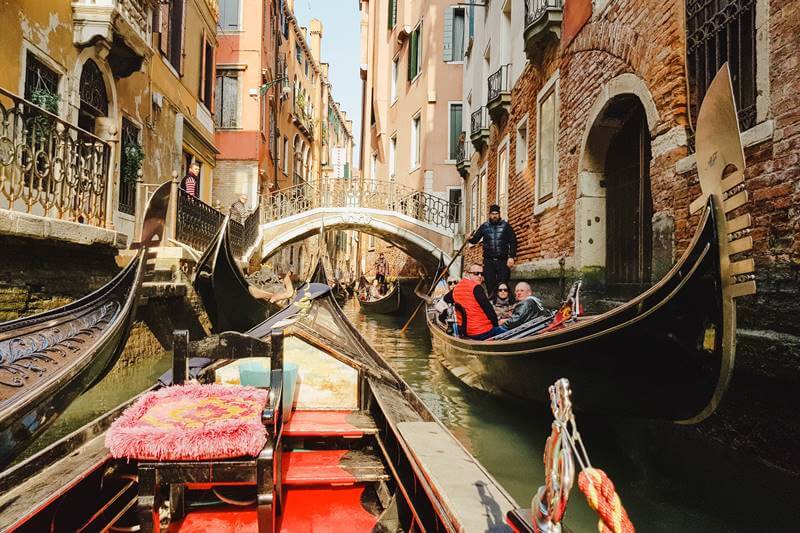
(527, 307)
(502, 301)
(375, 290)
(480, 320)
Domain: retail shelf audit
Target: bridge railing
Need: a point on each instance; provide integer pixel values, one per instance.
(362, 193)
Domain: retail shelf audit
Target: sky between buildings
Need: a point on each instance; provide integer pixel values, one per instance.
(341, 43)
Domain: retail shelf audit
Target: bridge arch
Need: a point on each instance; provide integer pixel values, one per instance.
(424, 242)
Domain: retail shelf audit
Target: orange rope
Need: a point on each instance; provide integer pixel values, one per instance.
(603, 498)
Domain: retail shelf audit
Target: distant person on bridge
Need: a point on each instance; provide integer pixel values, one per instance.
(499, 248)
(190, 181)
(381, 268)
(239, 211)
(474, 312)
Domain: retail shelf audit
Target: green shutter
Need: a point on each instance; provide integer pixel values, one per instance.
(448, 34)
(392, 13)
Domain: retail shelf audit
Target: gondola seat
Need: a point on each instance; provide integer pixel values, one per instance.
(200, 436)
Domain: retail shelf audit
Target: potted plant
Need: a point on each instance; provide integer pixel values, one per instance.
(132, 157)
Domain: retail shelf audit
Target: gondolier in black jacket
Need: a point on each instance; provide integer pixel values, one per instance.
(499, 248)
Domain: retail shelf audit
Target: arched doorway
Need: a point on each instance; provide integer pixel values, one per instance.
(93, 96)
(629, 204)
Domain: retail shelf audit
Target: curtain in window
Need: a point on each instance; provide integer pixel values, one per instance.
(458, 35)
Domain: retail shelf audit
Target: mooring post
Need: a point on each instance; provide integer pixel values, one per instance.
(276, 342)
(180, 356)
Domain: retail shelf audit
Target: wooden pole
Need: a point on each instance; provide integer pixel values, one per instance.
(435, 281)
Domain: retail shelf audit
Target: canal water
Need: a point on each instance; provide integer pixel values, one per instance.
(669, 479)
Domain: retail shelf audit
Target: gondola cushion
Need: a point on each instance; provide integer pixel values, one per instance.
(191, 422)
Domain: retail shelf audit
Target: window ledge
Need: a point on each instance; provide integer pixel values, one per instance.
(449, 161)
(394, 101)
(415, 78)
(758, 134)
(414, 168)
(548, 204)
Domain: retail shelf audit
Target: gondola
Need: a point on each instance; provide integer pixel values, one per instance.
(223, 289)
(365, 456)
(48, 360)
(666, 354)
(386, 305)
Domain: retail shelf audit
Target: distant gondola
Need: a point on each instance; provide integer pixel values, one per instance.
(388, 304)
(380, 461)
(48, 360)
(223, 289)
(669, 352)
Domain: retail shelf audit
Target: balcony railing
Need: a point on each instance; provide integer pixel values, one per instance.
(463, 156)
(542, 20)
(303, 119)
(100, 18)
(479, 127)
(49, 167)
(499, 85)
(197, 222)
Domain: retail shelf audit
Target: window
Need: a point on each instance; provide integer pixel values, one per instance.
(373, 167)
(547, 126)
(718, 32)
(131, 149)
(285, 155)
(415, 142)
(455, 131)
(502, 179)
(392, 13)
(175, 54)
(454, 197)
(39, 78)
(473, 205)
(298, 53)
(415, 53)
(482, 194)
(392, 156)
(522, 144)
(454, 18)
(229, 14)
(206, 71)
(226, 112)
(395, 72)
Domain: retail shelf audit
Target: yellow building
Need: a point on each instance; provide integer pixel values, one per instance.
(131, 82)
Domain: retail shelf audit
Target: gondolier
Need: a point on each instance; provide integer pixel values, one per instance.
(499, 249)
(381, 268)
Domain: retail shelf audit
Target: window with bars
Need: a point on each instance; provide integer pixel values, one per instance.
(127, 182)
(718, 31)
(39, 77)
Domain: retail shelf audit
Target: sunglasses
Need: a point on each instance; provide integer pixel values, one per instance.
(451, 283)
(477, 273)
(501, 289)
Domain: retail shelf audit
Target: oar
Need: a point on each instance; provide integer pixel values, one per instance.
(436, 281)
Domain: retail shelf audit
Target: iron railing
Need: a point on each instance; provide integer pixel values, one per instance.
(462, 151)
(499, 82)
(197, 222)
(479, 120)
(536, 9)
(50, 167)
(361, 193)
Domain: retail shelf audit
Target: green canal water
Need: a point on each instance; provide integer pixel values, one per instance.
(669, 479)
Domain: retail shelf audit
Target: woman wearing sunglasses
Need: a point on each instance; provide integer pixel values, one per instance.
(503, 301)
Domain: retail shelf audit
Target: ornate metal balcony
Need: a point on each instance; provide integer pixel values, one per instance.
(197, 222)
(499, 101)
(49, 167)
(463, 156)
(542, 22)
(479, 128)
(130, 19)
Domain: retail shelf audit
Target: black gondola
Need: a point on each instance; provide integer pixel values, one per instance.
(669, 352)
(48, 360)
(223, 289)
(388, 304)
(399, 461)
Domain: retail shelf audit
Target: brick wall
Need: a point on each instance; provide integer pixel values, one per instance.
(232, 178)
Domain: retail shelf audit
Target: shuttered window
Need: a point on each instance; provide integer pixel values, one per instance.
(229, 14)
(455, 130)
(226, 112)
(546, 145)
(392, 13)
(415, 53)
(453, 46)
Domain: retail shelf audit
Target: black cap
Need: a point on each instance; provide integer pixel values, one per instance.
(494, 208)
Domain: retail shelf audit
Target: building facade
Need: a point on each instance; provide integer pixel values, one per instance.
(244, 104)
(133, 80)
(586, 142)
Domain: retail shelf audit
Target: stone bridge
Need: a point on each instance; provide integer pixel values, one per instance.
(422, 225)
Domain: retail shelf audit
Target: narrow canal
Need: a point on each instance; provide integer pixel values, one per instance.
(667, 482)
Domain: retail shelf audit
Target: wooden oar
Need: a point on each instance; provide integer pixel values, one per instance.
(435, 282)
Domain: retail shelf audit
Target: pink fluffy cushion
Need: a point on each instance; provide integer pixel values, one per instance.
(191, 422)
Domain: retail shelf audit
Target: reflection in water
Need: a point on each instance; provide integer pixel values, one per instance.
(669, 479)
